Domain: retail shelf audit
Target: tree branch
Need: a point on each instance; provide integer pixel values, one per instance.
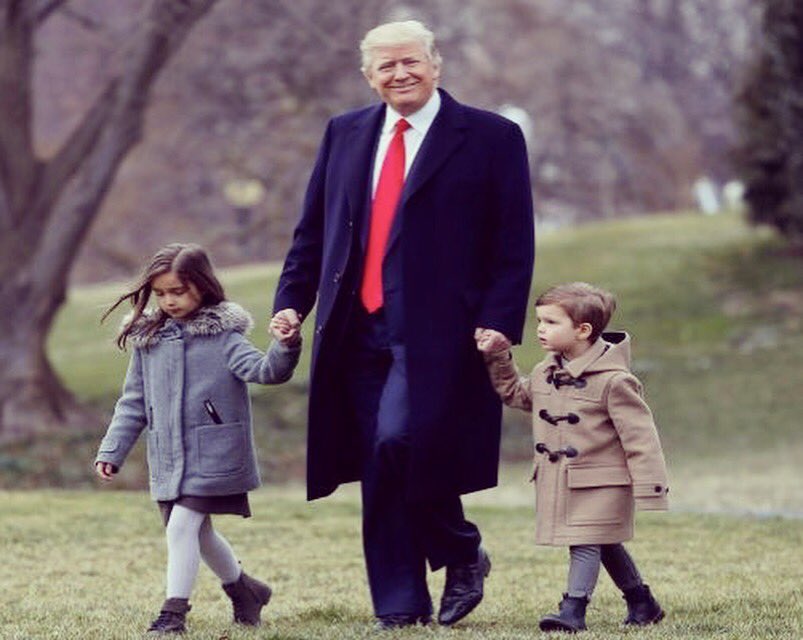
(166, 25)
(17, 161)
(58, 171)
(43, 9)
(87, 22)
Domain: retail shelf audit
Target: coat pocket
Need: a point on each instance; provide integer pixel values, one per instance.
(222, 449)
(600, 494)
(154, 461)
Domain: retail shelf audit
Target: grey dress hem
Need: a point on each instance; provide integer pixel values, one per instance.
(235, 504)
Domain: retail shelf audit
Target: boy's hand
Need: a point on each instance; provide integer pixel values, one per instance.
(285, 326)
(105, 470)
(491, 341)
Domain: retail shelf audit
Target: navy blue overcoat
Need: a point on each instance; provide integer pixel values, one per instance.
(464, 228)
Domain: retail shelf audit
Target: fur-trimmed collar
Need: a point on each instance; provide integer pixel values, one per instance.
(207, 321)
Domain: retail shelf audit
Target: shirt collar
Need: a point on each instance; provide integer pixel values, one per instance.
(420, 121)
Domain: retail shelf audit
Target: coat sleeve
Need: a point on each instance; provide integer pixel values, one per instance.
(249, 364)
(513, 389)
(129, 419)
(298, 284)
(512, 246)
(635, 426)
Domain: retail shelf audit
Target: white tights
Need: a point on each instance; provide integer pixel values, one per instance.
(190, 537)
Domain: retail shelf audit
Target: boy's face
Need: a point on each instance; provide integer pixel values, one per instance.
(558, 333)
(176, 299)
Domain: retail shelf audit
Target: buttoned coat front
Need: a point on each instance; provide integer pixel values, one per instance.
(460, 256)
(598, 456)
(170, 376)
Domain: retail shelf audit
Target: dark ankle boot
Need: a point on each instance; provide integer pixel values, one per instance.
(572, 616)
(171, 618)
(248, 596)
(642, 607)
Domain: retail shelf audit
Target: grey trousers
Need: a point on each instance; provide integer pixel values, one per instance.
(585, 560)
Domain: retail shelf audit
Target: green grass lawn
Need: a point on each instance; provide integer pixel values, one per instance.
(715, 310)
(91, 565)
(713, 305)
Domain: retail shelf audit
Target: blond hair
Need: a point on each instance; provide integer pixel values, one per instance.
(393, 34)
(582, 302)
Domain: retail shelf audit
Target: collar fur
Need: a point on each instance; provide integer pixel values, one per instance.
(207, 321)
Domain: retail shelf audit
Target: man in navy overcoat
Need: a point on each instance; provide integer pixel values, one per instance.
(399, 395)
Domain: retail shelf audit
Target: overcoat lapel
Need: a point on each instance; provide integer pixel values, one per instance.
(362, 147)
(442, 140)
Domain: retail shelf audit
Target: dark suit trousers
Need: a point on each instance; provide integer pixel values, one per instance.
(399, 536)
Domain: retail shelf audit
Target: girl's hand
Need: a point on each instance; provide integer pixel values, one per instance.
(105, 470)
(285, 326)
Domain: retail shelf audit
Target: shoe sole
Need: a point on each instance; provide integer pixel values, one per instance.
(661, 615)
(556, 625)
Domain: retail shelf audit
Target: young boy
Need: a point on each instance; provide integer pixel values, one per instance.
(597, 452)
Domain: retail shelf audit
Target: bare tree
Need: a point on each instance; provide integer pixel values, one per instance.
(47, 204)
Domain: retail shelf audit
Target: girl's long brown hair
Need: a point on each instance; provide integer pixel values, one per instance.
(191, 264)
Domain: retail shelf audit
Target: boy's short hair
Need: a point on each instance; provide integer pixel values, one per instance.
(582, 302)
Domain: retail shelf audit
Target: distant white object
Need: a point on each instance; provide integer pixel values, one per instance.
(520, 117)
(705, 194)
(733, 194)
(244, 193)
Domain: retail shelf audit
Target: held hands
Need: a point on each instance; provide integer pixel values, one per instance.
(285, 326)
(105, 470)
(490, 341)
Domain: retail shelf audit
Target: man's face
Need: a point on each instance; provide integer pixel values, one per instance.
(403, 76)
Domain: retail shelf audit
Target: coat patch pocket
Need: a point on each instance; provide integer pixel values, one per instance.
(222, 448)
(154, 463)
(598, 495)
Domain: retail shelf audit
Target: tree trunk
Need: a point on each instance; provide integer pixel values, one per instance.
(48, 205)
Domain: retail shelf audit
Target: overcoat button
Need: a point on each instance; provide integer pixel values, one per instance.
(350, 223)
(319, 330)
(336, 279)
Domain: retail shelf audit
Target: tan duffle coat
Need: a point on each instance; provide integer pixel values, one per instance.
(597, 452)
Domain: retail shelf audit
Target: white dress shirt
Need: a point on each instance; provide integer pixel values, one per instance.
(420, 122)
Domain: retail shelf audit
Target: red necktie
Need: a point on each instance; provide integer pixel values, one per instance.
(388, 190)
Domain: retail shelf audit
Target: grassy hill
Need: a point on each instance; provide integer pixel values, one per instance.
(713, 305)
(714, 308)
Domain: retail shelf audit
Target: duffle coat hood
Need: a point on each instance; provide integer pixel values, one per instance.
(597, 452)
(170, 376)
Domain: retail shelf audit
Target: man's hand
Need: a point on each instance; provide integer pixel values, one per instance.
(491, 341)
(285, 326)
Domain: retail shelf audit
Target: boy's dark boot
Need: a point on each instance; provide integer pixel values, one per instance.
(642, 607)
(248, 596)
(172, 617)
(572, 616)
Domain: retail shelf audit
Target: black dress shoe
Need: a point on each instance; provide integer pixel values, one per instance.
(398, 620)
(463, 590)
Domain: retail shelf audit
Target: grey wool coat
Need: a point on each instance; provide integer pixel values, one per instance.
(169, 378)
(593, 405)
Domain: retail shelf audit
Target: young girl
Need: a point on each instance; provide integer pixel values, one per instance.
(597, 452)
(186, 387)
